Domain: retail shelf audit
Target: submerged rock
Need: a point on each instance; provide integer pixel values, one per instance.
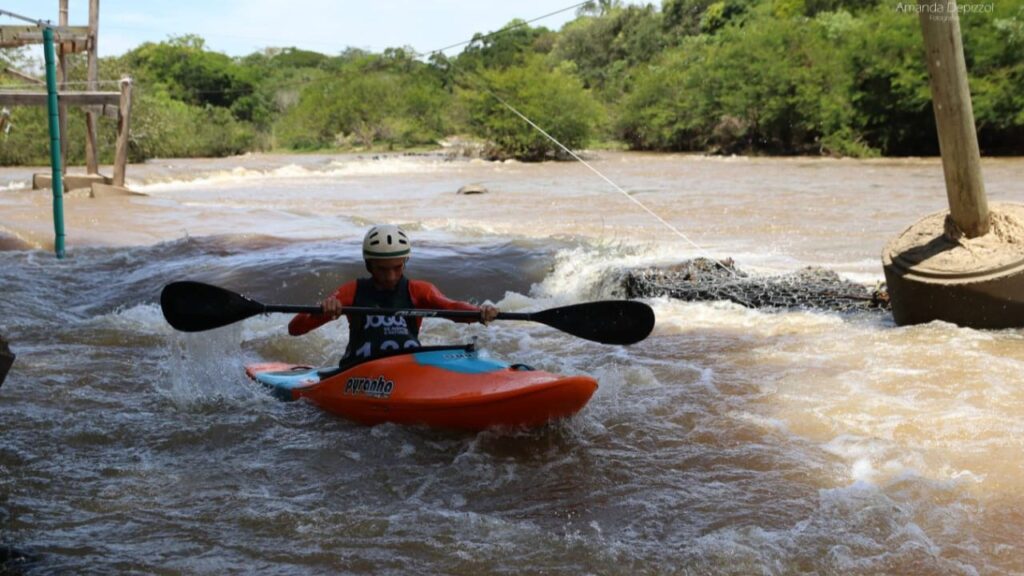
(703, 279)
(473, 189)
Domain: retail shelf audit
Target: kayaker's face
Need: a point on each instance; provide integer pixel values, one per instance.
(386, 272)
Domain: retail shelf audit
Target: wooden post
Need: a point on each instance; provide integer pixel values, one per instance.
(954, 118)
(932, 274)
(62, 63)
(91, 153)
(123, 118)
(22, 76)
(97, 100)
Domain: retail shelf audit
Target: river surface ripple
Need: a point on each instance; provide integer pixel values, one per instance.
(732, 441)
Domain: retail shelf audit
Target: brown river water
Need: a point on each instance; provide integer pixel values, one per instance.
(732, 441)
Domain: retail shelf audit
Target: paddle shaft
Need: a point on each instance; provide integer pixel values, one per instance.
(193, 307)
(408, 312)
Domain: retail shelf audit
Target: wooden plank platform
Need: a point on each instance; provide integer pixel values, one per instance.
(73, 38)
(25, 98)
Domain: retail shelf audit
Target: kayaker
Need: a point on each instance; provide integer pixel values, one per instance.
(386, 250)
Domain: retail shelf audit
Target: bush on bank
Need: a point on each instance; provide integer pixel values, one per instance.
(834, 77)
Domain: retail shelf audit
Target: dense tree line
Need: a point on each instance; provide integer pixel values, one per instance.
(834, 77)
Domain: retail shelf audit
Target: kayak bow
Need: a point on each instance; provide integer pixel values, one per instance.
(444, 386)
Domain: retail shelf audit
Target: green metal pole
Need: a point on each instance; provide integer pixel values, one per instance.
(58, 181)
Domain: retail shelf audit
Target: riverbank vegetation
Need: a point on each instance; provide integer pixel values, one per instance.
(821, 77)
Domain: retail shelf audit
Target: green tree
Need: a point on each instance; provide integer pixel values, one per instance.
(890, 93)
(165, 127)
(391, 100)
(994, 48)
(606, 48)
(598, 7)
(510, 46)
(683, 18)
(190, 73)
(552, 98)
(771, 85)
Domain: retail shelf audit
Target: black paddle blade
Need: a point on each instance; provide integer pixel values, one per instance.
(193, 306)
(606, 321)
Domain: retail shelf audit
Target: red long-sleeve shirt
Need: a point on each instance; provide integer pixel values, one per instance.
(424, 295)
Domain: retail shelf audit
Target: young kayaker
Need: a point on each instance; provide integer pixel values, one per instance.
(386, 249)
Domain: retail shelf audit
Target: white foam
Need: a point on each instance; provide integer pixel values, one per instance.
(207, 367)
(334, 170)
(581, 273)
(144, 318)
(14, 185)
(389, 165)
(219, 178)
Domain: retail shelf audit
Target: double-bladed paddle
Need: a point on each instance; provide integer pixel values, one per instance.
(193, 307)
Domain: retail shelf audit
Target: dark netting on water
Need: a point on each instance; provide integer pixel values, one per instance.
(703, 279)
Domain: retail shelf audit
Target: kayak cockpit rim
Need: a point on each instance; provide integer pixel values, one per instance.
(347, 363)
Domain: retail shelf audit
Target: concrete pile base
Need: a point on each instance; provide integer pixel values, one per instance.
(42, 181)
(934, 273)
(97, 185)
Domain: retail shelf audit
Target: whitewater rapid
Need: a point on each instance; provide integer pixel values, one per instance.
(732, 441)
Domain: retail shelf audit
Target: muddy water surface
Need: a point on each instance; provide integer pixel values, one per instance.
(732, 441)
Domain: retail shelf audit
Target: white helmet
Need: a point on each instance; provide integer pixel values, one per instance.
(386, 241)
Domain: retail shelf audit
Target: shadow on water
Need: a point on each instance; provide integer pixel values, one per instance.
(14, 562)
(96, 281)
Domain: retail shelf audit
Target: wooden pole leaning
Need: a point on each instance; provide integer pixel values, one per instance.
(964, 265)
(954, 119)
(62, 67)
(123, 121)
(91, 155)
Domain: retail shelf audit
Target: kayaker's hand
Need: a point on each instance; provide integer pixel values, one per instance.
(488, 313)
(331, 307)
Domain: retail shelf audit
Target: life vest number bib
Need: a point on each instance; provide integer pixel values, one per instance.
(384, 326)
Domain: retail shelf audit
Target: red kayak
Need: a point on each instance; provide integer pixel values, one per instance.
(444, 386)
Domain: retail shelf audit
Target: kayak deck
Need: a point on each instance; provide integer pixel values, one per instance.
(448, 387)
